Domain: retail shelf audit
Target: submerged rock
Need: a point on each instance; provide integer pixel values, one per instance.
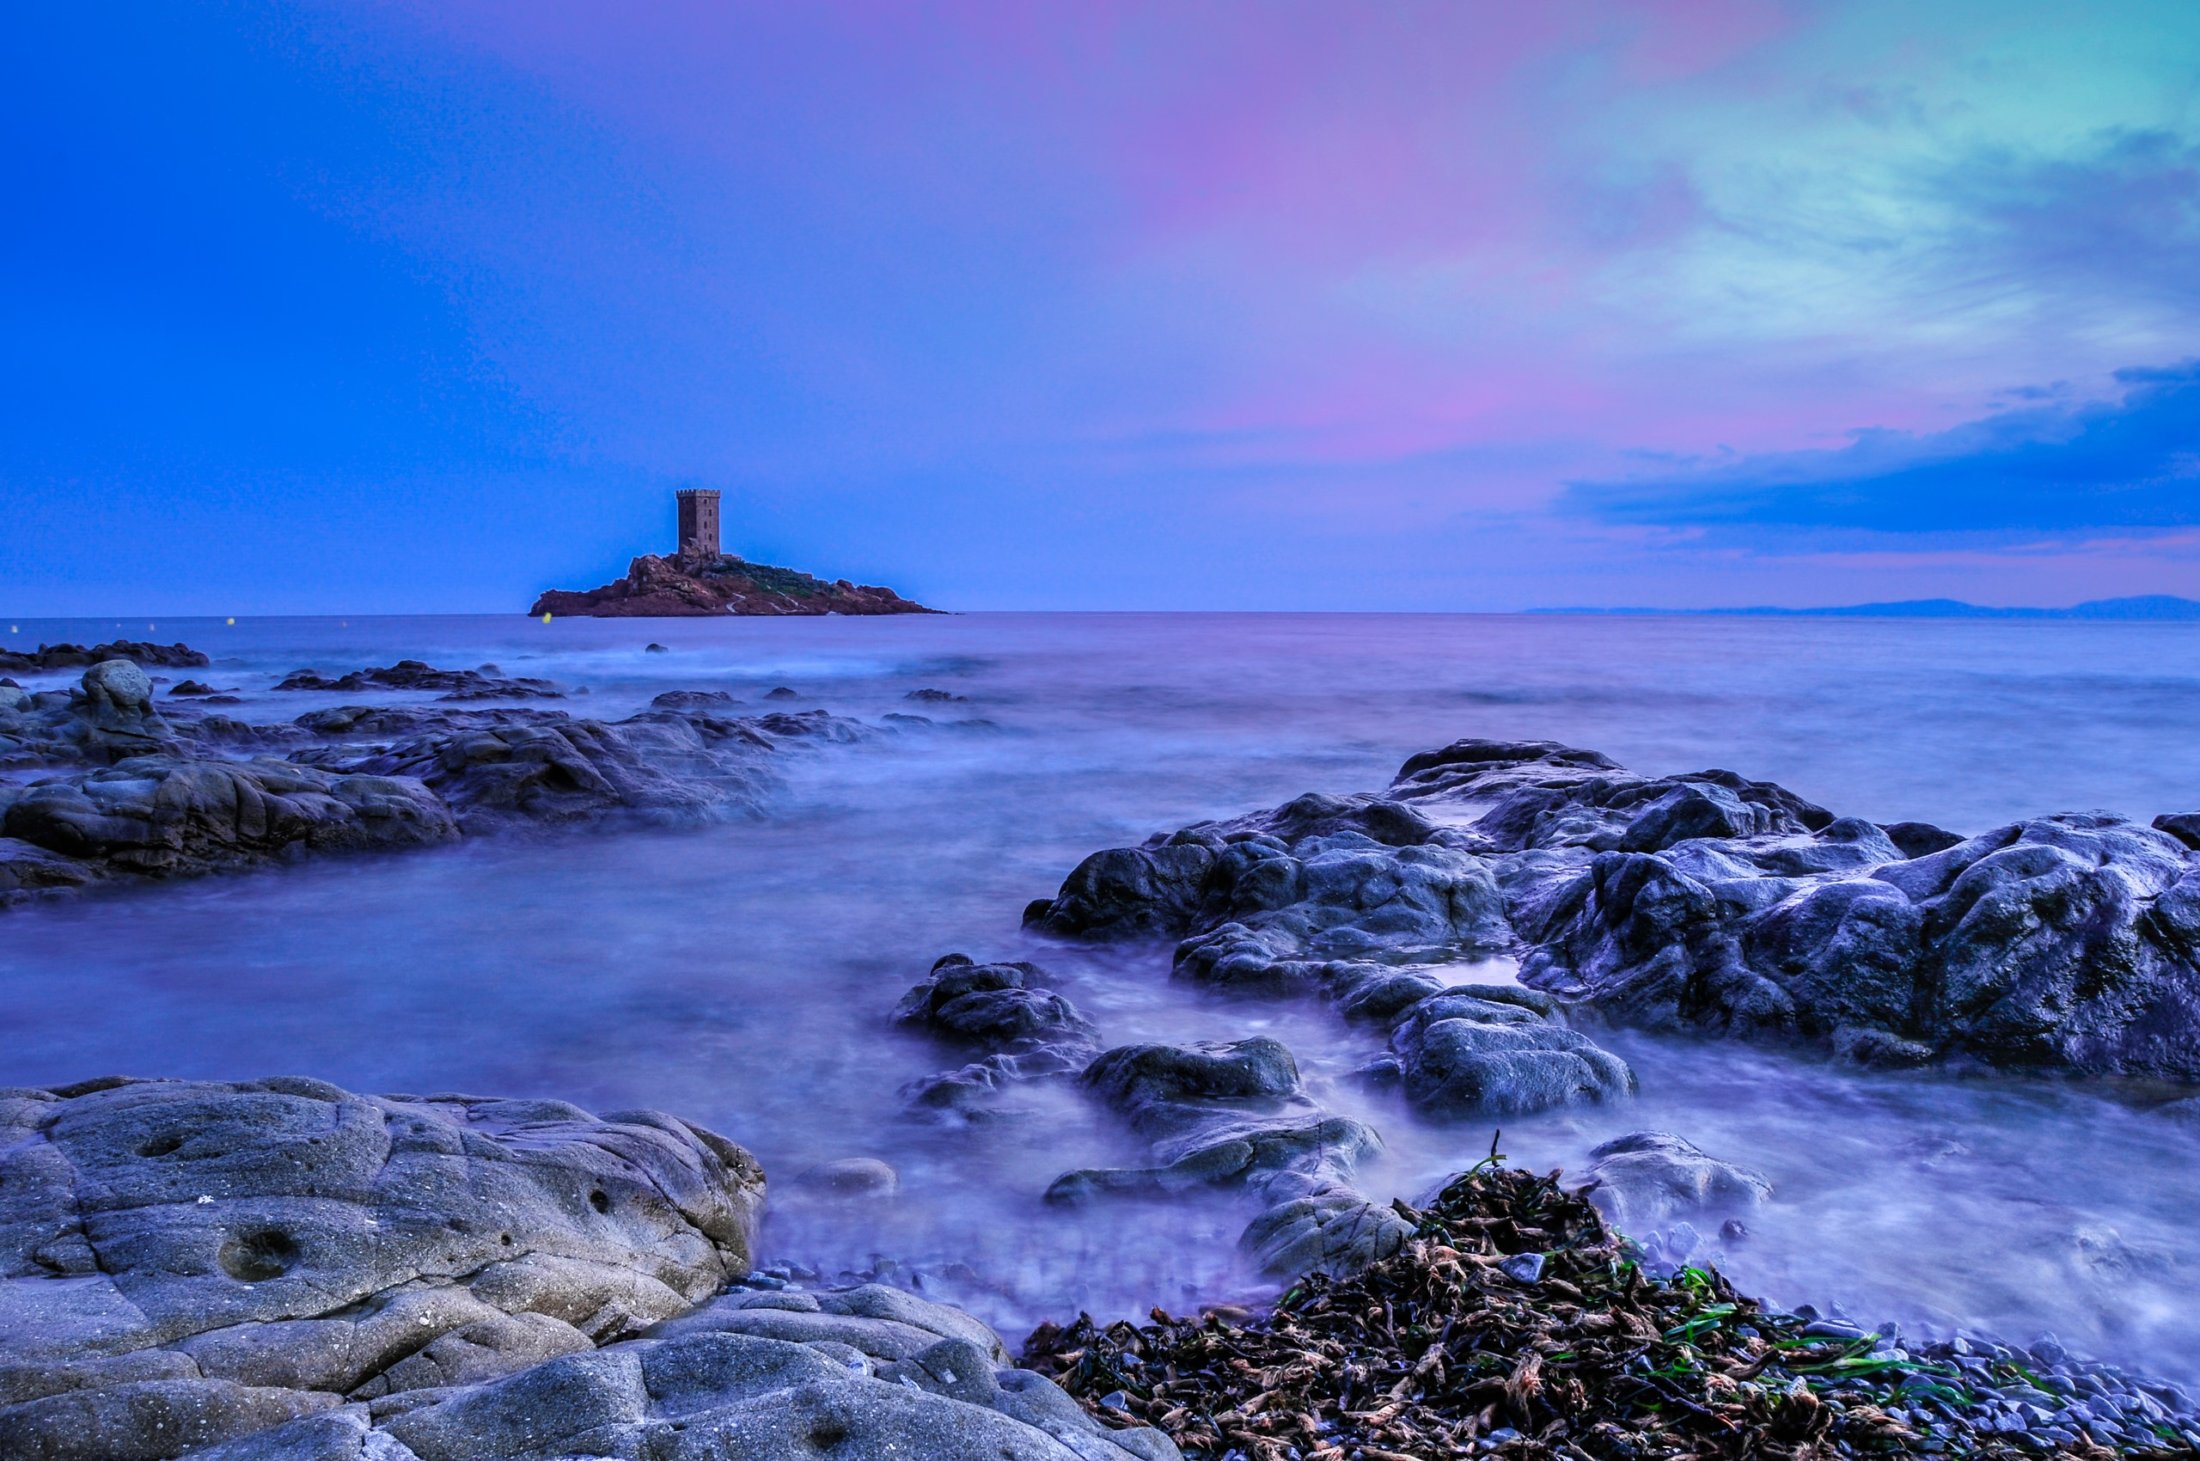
(1235, 1115)
(486, 683)
(76, 656)
(849, 1178)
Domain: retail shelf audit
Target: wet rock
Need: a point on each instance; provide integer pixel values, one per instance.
(1214, 1114)
(1704, 902)
(1235, 1116)
(200, 1260)
(281, 1270)
(693, 700)
(1644, 1178)
(76, 656)
(782, 692)
(1328, 1227)
(191, 689)
(412, 674)
(850, 1177)
(163, 815)
(936, 697)
(1462, 1053)
(655, 648)
(676, 767)
(177, 801)
(999, 1007)
(1021, 1030)
(1128, 893)
(1320, 877)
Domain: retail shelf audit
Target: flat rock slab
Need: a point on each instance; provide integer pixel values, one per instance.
(203, 1260)
(280, 1270)
(864, 1372)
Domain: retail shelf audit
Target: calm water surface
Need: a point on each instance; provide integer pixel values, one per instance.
(742, 975)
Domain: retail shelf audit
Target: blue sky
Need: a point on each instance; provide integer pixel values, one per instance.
(1290, 305)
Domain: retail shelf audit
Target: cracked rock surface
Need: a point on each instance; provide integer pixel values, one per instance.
(197, 1260)
(280, 1270)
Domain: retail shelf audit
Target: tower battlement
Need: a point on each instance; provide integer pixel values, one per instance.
(698, 522)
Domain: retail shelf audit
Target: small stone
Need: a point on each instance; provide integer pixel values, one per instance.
(1523, 1267)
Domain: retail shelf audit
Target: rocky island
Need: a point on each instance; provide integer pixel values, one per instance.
(700, 579)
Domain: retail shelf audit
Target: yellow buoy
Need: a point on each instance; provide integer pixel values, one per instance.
(546, 618)
(232, 618)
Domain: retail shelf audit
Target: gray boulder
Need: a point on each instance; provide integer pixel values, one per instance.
(1484, 1051)
(1321, 1226)
(776, 1377)
(1021, 1030)
(166, 815)
(181, 1262)
(773, 1377)
(281, 1271)
(1646, 1177)
(118, 717)
(1235, 1116)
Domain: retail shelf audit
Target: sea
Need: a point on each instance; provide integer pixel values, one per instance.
(743, 974)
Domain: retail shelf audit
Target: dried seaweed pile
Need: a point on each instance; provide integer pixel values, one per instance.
(1515, 1324)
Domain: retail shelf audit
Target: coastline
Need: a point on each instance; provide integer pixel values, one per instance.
(1298, 952)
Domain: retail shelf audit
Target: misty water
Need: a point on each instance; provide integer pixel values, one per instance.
(742, 975)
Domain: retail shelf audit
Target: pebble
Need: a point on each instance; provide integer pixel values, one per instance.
(1523, 1267)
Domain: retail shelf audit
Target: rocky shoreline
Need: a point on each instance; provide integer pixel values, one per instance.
(281, 1268)
(282, 1271)
(105, 784)
(1703, 904)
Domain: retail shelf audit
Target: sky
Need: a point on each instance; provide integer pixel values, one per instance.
(1211, 304)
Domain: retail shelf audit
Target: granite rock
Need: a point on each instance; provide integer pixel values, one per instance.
(182, 1262)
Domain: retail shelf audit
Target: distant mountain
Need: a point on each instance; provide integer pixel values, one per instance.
(2144, 607)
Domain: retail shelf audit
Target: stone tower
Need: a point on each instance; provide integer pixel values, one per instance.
(698, 523)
